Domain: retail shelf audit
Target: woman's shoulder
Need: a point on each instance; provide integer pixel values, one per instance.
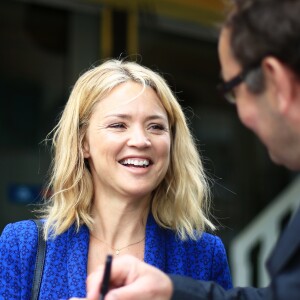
(18, 241)
(210, 239)
(24, 230)
(204, 239)
(211, 242)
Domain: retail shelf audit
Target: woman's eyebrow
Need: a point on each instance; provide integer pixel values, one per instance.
(127, 116)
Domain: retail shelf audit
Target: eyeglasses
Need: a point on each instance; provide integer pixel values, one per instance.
(226, 88)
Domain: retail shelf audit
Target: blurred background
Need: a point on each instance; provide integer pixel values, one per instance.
(44, 47)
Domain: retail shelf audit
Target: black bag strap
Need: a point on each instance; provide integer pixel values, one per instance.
(39, 262)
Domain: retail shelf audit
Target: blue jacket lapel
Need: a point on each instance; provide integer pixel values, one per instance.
(155, 249)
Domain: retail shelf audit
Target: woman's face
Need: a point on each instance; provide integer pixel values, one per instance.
(128, 142)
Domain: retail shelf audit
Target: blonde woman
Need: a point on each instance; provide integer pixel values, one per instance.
(126, 179)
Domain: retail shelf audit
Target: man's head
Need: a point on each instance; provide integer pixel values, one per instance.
(261, 42)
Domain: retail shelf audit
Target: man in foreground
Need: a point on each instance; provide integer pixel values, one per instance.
(259, 52)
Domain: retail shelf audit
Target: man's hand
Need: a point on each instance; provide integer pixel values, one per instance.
(131, 279)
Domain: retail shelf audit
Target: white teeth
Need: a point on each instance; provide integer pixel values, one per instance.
(135, 162)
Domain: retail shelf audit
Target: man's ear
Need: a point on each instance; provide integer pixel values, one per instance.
(281, 80)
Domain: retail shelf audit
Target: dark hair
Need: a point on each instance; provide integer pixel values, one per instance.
(265, 27)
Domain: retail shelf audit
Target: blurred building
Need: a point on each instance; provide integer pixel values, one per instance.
(46, 44)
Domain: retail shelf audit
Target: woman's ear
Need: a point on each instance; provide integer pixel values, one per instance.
(282, 82)
(85, 148)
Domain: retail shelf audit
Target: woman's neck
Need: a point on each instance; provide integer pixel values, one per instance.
(119, 222)
(118, 229)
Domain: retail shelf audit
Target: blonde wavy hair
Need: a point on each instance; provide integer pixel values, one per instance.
(180, 202)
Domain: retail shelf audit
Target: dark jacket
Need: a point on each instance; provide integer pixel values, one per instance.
(283, 267)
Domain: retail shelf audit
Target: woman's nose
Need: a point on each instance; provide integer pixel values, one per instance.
(138, 138)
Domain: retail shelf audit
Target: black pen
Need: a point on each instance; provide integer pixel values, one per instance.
(106, 277)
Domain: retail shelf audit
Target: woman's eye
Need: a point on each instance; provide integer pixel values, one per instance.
(117, 125)
(158, 127)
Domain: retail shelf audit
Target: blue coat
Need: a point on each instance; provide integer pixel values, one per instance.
(65, 268)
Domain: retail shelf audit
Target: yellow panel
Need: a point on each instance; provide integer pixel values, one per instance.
(106, 43)
(132, 33)
(207, 12)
